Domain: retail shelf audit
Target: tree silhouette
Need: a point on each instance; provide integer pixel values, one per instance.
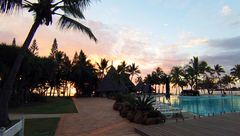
(235, 71)
(54, 48)
(34, 48)
(102, 67)
(14, 42)
(218, 70)
(43, 10)
(122, 67)
(177, 75)
(133, 70)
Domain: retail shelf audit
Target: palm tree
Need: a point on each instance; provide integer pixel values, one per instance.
(227, 81)
(133, 70)
(189, 75)
(43, 10)
(103, 67)
(177, 76)
(218, 70)
(236, 71)
(159, 78)
(197, 67)
(194, 65)
(122, 67)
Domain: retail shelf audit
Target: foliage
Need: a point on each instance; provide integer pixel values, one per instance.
(34, 48)
(84, 76)
(144, 103)
(102, 68)
(236, 71)
(133, 70)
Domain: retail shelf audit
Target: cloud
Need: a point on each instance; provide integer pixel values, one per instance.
(232, 43)
(226, 10)
(226, 59)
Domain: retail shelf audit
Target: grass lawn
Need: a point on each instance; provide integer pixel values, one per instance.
(52, 105)
(40, 127)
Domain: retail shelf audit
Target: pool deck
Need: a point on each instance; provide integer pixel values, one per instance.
(226, 125)
(95, 117)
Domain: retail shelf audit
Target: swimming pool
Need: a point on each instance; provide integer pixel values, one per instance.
(205, 105)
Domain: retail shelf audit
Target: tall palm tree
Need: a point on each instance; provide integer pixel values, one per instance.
(189, 75)
(133, 70)
(198, 68)
(227, 81)
(159, 78)
(43, 10)
(103, 67)
(176, 75)
(236, 71)
(194, 64)
(122, 67)
(218, 70)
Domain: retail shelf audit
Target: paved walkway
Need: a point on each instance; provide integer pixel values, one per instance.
(227, 125)
(95, 118)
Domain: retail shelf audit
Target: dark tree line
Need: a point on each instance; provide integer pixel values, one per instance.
(53, 76)
(197, 75)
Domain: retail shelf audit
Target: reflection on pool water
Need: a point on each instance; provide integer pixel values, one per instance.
(204, 105)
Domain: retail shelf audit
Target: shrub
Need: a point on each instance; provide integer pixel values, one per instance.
(144, 103)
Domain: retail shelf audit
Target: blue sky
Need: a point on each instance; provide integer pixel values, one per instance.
(170, 17)
(150, 33)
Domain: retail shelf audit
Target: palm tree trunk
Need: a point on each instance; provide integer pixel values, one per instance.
(7, 88)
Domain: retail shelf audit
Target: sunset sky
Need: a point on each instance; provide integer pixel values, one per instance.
(150, 33)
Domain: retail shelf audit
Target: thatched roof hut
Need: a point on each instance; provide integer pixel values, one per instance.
(143, 87)
(111, 82)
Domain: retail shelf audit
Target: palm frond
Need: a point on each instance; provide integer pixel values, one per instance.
(79, 3)
(66, 22)
(74, 11)
(9, 5)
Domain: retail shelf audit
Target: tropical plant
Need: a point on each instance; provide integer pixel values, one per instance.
(7, 6)
(102, 67)
(176, 75)
(195, 69)
(227, 81)
(122, 67)
(84, 76)
(43, 10)
(144, 103)
(218, 70)
(133, 70)
(236, 71)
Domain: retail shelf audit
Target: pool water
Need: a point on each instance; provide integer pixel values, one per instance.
(205, 105)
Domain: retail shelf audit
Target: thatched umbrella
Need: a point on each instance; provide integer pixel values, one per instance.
(111, 83)
(143, 87)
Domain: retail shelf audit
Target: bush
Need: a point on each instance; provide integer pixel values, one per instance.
(144, 103)
(131, 115)
(138, 110)
(139, 118)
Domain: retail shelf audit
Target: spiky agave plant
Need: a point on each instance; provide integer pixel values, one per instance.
(144, 103)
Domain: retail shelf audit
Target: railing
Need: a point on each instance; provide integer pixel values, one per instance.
(18, 128)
